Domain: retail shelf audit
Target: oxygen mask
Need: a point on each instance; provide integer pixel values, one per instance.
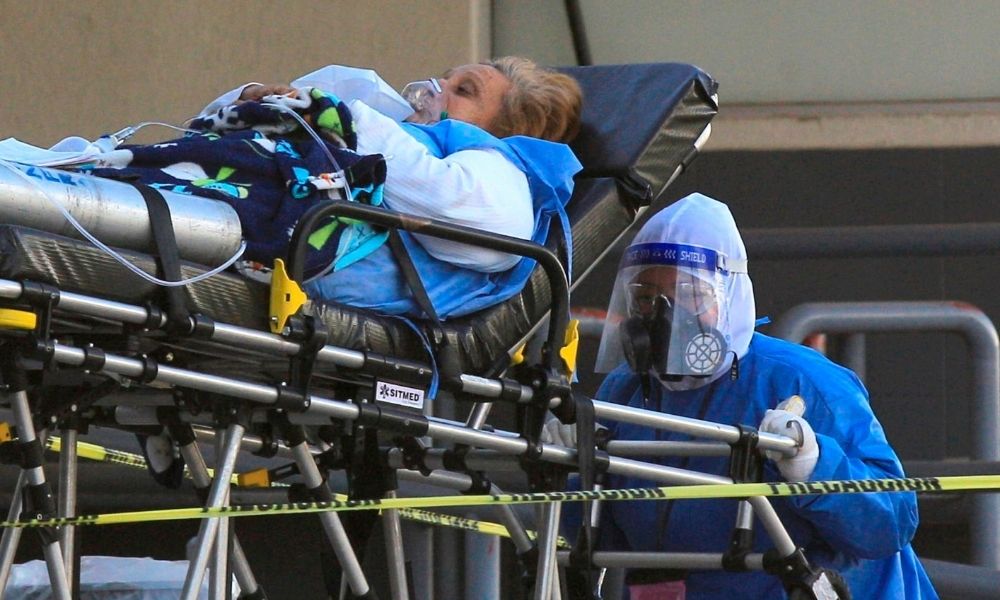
(428, 100)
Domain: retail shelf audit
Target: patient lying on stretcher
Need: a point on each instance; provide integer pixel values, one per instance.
(485, 150)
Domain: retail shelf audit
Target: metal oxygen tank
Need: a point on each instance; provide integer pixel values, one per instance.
(207, 231)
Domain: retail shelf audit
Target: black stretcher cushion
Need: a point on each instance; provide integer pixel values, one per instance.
(640, 125)
(638, 120)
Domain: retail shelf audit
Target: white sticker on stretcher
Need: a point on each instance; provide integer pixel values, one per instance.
(399, 394)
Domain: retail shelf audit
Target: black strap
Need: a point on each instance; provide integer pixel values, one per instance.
(580, 579)
(413, 278)
(585, 424)
(447, 357)
(168, 261)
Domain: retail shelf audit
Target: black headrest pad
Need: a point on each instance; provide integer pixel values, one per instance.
(639, 119)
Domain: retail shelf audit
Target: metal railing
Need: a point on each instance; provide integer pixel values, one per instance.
(981, 336)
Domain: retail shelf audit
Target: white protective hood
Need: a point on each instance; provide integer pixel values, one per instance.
(698, 220)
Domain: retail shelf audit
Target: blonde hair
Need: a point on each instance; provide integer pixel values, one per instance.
(541, 102)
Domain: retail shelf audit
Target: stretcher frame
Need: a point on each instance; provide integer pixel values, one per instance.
(544, 384)
(504, 443)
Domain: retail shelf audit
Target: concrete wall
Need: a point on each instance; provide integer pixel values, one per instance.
(799, 74)
(87, 68)
(782, 50)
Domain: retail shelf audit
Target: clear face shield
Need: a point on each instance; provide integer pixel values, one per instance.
(429, 102)
(669, 312)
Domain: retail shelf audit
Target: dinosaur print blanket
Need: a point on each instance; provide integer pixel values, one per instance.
(262, 160)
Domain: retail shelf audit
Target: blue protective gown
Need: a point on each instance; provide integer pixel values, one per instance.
(866, 537)
(376, 282)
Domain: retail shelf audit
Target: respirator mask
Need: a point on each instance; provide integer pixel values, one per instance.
(668, 313)
(428, 100)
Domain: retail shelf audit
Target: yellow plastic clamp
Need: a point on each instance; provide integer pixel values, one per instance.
(518, 356)
(6, 432)
(17, 319)
(258, 478)
(570, 346)
(286, 297)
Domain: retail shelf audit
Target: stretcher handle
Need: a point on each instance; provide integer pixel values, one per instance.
(448, 231)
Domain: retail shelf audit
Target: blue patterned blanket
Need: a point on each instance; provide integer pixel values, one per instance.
(262, 162)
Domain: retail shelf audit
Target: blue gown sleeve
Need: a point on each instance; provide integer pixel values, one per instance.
(853, 446)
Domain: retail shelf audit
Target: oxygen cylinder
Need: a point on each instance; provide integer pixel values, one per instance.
(207, 231)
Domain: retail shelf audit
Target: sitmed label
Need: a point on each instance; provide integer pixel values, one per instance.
(399, 394)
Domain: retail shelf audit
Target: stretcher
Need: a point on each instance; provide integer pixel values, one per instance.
(86, 342)
(630, 154)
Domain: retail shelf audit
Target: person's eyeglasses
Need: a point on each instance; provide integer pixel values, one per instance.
(695, 297)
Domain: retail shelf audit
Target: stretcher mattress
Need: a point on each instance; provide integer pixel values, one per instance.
(640, 123)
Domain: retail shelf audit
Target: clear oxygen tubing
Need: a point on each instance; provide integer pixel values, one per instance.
(114, 254)
(112, 140)
(123, 134)
(126, 132)
(312, 132)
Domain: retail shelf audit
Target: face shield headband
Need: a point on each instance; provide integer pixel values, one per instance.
(668, 312)
(678, 255)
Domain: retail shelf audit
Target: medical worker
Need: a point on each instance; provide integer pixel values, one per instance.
(680, 339)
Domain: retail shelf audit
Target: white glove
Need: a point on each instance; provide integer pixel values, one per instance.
(555, 432)
(799, 466)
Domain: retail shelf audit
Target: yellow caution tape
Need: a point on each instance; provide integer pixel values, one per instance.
(688, 492)
(118, 457)
(100, 453)
(433, 518)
